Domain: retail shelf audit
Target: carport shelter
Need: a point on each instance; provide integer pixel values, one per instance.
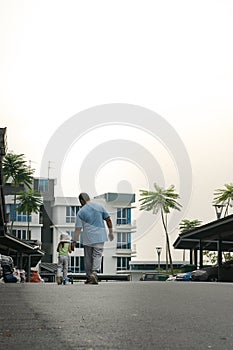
(25, 255)
(214, 236)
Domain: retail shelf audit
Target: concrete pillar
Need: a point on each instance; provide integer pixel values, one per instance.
(219, 258)
(195, 257)
(191, 256)
(201, 255)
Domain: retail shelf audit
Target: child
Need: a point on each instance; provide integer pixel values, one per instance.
(63, 249)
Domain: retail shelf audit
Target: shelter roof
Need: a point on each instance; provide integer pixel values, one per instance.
(10, 245)
(209, 234)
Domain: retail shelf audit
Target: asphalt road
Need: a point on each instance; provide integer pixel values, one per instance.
(117, 315)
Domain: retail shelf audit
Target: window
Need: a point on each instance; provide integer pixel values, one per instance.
(123, 240)
(22, 217)
(123, 263)
(17, 216)
(71, 212)
(76, 264)
(78, 244)
(143, 266)
(43, 185)
(21, 234)
(10, 212)
(123, 216)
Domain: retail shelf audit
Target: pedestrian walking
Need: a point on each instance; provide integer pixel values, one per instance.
(63, 249)
(90, 223)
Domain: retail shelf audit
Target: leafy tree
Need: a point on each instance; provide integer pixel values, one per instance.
(187, 225)
(224, 197)
(211, 256)
(16, 169)
(29, 202)
(161, 201)
(228, 256)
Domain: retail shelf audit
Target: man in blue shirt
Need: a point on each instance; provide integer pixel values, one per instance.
(90, 223)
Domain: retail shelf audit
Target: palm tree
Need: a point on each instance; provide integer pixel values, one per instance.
(15, 167)
(224, 197)
(162, 200)
(187, 225)
(29, 202)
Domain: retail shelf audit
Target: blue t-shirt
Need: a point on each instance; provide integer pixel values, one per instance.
(91, 219)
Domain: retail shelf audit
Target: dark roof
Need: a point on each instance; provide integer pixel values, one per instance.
(18, 245)
(10, 245)
(209, 234)
(51, 267)
(127, 198)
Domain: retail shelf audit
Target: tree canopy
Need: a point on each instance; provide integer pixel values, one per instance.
(161, 201)
(224, 196)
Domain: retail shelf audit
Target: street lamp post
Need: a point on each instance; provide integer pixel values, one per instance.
(219, 209)
(158, 249)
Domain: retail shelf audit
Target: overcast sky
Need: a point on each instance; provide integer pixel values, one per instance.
(173, 58)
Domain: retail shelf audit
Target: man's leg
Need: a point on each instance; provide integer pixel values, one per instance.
(88, 259)
(97, 258)
(97, 253)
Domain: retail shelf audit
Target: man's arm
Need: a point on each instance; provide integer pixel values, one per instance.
(109, 224)
(76, 236)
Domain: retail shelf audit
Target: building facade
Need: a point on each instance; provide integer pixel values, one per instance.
(118, 253)
(20, 226)
(58, 214)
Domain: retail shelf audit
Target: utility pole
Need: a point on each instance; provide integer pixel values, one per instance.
(49, 167)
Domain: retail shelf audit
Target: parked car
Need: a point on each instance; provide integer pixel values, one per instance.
(171, 278)
(185, 274)
(211, 273)
(154, 277)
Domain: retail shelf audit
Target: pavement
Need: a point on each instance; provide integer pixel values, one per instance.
(117, 315)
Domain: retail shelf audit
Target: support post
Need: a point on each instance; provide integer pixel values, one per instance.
(219, 259)
(21, 261)
(201, 255)
(191, 256)
(195, 257)
(29, 268)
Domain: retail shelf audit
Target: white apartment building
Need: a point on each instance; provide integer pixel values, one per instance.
(117, 254)
(20, 226)
(58, 216)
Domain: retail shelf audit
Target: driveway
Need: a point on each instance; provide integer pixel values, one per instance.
(117, 315)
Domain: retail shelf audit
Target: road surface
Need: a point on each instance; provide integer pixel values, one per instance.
(117, 315)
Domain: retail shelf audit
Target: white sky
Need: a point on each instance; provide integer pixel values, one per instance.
(175, 58)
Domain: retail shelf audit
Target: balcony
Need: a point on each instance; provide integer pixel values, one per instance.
(129, 252)
(126, 227)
